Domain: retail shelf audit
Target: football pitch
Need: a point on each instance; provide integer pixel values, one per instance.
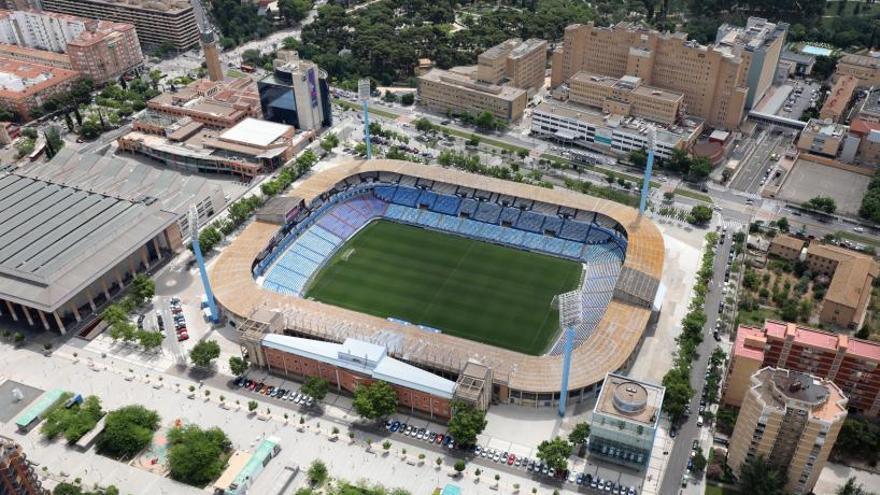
(472, 289)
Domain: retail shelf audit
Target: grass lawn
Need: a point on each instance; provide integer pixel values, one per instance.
(683, 191)
(472, 289)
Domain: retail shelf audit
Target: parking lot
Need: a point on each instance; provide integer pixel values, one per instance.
(804, 94)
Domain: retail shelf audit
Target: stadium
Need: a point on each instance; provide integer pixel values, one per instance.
(445, 268)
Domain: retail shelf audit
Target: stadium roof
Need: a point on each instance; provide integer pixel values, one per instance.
(607, 349)
(375, 362)
(56, 239)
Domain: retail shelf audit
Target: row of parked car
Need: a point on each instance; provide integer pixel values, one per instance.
(179, 319)
(535, 466)
(274, 392)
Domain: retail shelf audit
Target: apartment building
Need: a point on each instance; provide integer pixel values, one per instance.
(625, 96)
(457, 92)
(99, 50)
(24, 86)
(592, 128)
(759, 44)
(711, 79)
(17, 474)
(852, 364)
(852, 278)
(625, 420)
(863, 67)
(791, 419)
(838, 100)
(157, 21)
(823, 138)
(868, 133)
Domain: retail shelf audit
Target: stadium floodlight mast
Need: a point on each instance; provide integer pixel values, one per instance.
(649, 166)
(364, 96)
(569, 316)
(197, 250)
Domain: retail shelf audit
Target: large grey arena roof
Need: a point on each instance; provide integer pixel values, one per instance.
(66, 222)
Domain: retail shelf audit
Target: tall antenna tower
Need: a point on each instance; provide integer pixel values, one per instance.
(208, 40)
(649, 167)
(364, 96)
(203, 272)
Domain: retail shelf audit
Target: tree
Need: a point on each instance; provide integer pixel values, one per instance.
(699, 461)
(700, 215)
(375, 401)
(150, 340)
(668, 196)
(821, 203)
(54, 143)
(852, 488)
(485, 121)
(73, 422)
(473, 140)
(252, 405)
(579, 434)
(466, 423)
(555, 453)
(759, 477)
(238, 366)
(293, 11)
(196, 456)
(317, 472)
(701, 167)
(143, 287)
(424, 125)
(782, 224)
(329, 142)
(127, 431)
(407, 99)
(204, 353)
(459, 466)
(638, 158)
(315, 387)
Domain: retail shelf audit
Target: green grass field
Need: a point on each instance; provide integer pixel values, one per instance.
(472, 289)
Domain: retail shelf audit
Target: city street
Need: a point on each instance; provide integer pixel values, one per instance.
(753, 168)
(688, 430)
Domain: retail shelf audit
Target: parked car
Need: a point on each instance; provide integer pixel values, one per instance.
(181, 336)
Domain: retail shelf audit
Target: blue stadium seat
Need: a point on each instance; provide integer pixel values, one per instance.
(530, 221)
(510, 215)
(574, 230)
(427, 199)
(406, 196)
(553, 224)
(468, 206)
(448, 205)
(488, 212)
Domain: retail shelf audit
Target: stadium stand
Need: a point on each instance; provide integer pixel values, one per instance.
(310, 243)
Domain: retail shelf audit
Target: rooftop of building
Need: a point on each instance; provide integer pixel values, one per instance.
(527, 47)
(256, 132)
(840, 96)
(165, 6)
(782, 389)
(799, 58)
(57, 237)
(871, 104)
(665, 133)
(217, 98)
(501, 50)
(826, 128)
(463, 81)
(366, 358)
(629, 399)
(627, 83)
(22, 79)
(788, 241)
(850, 276)
(756, 33)
(750, 340)
(860, 60)
(23, 51)
(864, 127)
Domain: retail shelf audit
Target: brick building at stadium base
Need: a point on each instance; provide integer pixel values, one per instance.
(354, 363)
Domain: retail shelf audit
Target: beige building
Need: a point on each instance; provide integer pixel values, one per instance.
(786, 247)
(450, 91)
(864, 68)
(852, 277)
(792, 420)
(157, 21)
(759, 45)
(711, 79)
(625, 96)
(822, 137)
(519, 63)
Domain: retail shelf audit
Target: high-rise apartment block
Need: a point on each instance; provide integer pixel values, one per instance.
(99, 50)
(296, 93)
(157, 21)
(852, 364)
(714, 80)
(759, 44)
(17, 476)
(519, 63)
(791, 419)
